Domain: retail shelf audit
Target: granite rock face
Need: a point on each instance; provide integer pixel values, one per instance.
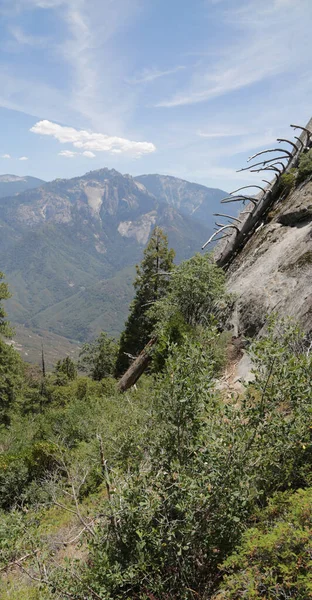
(273, 272)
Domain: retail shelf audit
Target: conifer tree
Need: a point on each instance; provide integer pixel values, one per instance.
(67, 368)
(150, 285)
(4, 295)
(11, 367)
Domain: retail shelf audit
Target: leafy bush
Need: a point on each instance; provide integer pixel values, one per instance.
(305, 166)
(184, 508)
(274, 557)
(17, 472)
(287, 181)
(196, 288)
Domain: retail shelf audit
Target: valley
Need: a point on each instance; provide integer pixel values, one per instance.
(69, 247)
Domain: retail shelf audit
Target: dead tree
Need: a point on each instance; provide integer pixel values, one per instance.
(263, 201)
(138, 367)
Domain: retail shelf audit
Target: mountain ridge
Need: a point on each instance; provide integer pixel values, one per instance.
(14, 184)
(68, 248)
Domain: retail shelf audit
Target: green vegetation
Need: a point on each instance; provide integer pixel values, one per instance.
(305, 166)
(150, 285)
(4, 295)
(274, 557)
(66, 369)
(287, 181)
(98, 358)
(170, 491)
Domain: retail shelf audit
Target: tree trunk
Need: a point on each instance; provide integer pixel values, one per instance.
(138, 367)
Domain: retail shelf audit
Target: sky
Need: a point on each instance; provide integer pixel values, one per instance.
(179, 87)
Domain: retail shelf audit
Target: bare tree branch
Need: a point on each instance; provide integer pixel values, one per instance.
(248, 186)
(228, 216)
(270, 150)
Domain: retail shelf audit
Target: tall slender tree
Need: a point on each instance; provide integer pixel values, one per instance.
(150, 285)
(11, 367)
(4, 295)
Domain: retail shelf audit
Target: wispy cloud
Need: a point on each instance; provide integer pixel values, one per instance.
(259, 52)
(148, 75)
(92, 142)
(7, 156)
(25, 39)
(82, 49)
(221, 134)
(23, 158)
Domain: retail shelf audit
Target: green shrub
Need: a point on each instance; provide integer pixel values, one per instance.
(287, 181)
(274, 557)
(305, 166)
(182, 511)
(19, 471)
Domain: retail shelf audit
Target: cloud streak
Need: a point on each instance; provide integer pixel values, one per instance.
(92, 142)
(259, 53)
(149, 75)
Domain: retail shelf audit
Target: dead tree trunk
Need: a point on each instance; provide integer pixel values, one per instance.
(138, 367)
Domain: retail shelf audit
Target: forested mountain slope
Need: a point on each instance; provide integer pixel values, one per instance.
(191, 199)
(68, 249)
(12, 184)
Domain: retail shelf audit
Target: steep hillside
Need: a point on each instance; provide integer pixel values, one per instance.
(68, 249)
(190, 199)
(273, 272)
(12, 184)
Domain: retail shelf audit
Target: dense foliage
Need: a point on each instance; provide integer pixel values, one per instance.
(274, 557)
(174, 490)
(98, 358)
(4, 295)
(305, 166)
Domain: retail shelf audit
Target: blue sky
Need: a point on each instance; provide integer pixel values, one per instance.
(186, 88)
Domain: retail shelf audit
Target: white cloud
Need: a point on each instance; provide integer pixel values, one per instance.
(88, 141)
(68, 153)
(72, 154)
(23, 158)
(88, 154)
(148, 75)
(5, 156)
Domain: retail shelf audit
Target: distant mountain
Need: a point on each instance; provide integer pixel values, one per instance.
(190, 199)
(68, 249)
(12, 184)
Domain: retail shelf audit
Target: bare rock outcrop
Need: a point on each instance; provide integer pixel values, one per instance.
(273, 272)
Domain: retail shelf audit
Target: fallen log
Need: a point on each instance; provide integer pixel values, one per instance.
(137, 368)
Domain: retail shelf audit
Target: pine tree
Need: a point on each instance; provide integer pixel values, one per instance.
(11, 367)
(67, 368)
(4, 295)
(150, 285)
(98, 358)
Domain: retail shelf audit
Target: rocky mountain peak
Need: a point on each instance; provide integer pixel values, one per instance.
(69, 247)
